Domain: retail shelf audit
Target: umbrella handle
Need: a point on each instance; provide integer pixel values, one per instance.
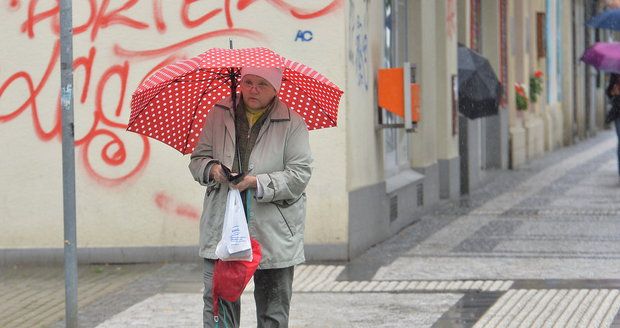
(248, 199)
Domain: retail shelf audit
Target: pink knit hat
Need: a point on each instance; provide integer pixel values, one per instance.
(273, 75)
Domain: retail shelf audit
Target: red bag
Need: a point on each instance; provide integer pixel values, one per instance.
(231, 277)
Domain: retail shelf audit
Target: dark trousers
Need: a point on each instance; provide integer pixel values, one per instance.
(273, 289)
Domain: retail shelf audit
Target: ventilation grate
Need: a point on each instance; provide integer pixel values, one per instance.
(420, 188)
(393, 208)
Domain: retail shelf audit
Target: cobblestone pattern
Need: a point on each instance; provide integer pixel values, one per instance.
(535, 245)
(321, 278)
(34, 296)
(553, 308)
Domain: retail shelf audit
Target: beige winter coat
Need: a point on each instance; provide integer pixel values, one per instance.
(280, 161)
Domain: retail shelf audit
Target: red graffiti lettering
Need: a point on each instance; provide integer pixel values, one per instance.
(168, 205)
(159, 16)
(15, 4)
(32, 94)
(106, 19)
(188, 211)
(91, 18)
(229, 21)
(163, 201)
(35, 18)
(87, 63)
(122, 52)
(109, 154)
(297, 12)
(123, 73)
(300, 13)
(191, 23)
(113, 153)
(242, 4)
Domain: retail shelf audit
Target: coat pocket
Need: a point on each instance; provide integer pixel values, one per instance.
(285, 221)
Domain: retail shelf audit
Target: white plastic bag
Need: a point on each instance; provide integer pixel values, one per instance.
(235, 243)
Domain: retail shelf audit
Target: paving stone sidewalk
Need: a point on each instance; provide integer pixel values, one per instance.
(534, 247)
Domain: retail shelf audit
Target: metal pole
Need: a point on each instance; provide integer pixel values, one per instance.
(68, 162)
(407, 95)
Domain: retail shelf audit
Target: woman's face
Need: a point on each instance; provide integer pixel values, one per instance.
(257, 92)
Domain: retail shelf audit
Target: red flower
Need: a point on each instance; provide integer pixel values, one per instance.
(538, 74)
(519, 89)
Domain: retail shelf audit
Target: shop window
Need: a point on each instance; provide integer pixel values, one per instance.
(395, 140)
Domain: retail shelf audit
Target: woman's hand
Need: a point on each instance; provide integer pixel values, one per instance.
(249, 181)
(217, 174)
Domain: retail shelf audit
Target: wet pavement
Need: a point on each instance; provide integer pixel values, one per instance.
(533, 247)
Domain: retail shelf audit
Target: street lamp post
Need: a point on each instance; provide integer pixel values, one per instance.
(68, 162)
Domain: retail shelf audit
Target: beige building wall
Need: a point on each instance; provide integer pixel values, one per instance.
(540, 125)
(364, 55)
(516, 69)
(564, 119)
(424, 143)
(448, 147)
(582, 74)
(133, 191)
(491, 33)
(533, 123)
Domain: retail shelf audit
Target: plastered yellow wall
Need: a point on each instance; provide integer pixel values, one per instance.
(133, 191)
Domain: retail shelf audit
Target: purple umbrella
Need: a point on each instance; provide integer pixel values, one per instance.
(604, 56)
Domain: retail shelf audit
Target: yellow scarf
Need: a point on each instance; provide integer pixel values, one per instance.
(253, 115)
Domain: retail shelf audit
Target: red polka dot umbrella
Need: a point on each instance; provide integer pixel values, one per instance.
(172, 104)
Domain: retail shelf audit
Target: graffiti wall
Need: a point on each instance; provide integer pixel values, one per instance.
(131, 190)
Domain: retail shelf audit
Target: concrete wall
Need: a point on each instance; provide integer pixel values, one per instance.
(577, 123)
(496, 128)
(132, 191)
(568, 100)
(364, 55)
(424, 143)
(516, 69)
(447, 137)
(539, 128)
(483, 142)
(380, 202)
(367, 207)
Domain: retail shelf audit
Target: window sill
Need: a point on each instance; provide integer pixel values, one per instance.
(402, 179)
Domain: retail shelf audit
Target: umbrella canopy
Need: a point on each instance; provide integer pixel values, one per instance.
(604, 56)
(609, 19)
(171, 105)
(479, 89)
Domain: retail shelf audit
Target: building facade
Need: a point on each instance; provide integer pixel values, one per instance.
(136, 200)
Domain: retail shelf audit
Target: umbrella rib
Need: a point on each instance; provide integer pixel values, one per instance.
(217, 73)
(155, 95)
(310, 98)
(322, 110)
(198, 105)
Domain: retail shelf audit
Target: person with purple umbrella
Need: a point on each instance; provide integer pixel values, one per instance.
(613, 92)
